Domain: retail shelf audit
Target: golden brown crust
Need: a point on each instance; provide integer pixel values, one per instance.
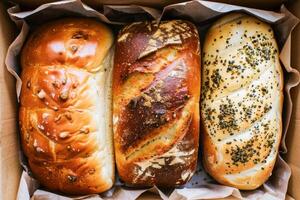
(75, 42)
(62, 128)
(241, 101)
(156, 86)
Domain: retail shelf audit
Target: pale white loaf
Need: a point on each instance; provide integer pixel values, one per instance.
(242, 98)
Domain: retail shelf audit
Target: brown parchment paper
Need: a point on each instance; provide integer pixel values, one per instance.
(202, 13)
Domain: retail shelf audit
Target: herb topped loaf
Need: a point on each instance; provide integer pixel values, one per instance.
(241, 101)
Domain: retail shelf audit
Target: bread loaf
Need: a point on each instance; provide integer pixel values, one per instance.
(65, 108)
(156, 91)
(241, 101)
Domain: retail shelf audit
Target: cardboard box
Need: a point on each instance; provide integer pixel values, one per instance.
(293, 135)
(10, 169)
(265, 4)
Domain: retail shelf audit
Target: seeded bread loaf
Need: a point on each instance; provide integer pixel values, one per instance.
(64, 106)
(241, 101)
(156, 91)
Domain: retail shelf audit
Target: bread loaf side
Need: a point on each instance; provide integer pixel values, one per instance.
(65, 109)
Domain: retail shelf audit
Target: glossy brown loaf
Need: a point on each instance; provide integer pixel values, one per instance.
(241, 101)
(64, 114)
(156, 91)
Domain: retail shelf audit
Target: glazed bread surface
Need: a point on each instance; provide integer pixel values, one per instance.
(241, 101)
(156, 91)
(65, 109)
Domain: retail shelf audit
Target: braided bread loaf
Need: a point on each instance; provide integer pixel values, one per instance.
(241, 101)
(156, 89)
(64, 111)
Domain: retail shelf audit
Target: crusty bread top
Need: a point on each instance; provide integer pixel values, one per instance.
(241, 99)
(154, 52)
(83, 44)
(57, 60)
